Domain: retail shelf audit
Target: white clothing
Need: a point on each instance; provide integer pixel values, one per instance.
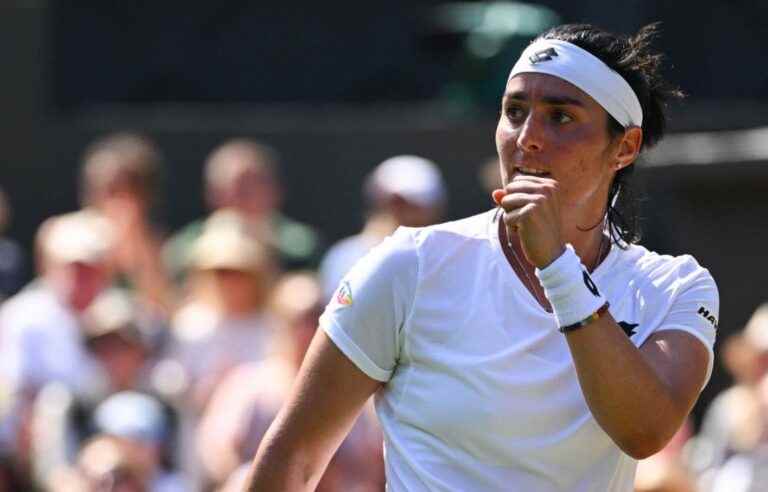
(41, 342)
(481, 392)
(209, 345)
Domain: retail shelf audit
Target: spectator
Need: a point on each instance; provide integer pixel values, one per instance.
(120, 177)
(11, 255)
(225, 322)
(140, 427)
(733, 421)
(42, 336)
(404, 190)
(243, 175)
(120, 339)
(248, 399)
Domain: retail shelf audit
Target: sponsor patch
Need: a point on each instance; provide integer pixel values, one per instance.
(344, 295)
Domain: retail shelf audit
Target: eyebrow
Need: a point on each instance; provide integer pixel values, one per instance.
(548, 99)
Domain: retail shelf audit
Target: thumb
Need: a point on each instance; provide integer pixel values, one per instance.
(497, 195)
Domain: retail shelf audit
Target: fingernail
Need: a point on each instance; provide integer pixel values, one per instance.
(497, 195)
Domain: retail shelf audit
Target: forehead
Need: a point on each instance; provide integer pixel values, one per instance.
(549, 89)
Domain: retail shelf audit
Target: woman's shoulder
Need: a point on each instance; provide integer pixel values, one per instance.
(660, 270)
(478, 226)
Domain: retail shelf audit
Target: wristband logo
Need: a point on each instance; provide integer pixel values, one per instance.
(590, 284)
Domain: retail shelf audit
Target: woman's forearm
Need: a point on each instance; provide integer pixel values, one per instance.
(640, 397)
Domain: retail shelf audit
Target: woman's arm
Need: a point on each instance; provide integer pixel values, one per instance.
(640, 397)
(327, 397)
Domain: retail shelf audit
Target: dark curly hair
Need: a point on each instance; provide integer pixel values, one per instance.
(634, 59)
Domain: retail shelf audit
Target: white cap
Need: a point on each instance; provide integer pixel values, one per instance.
(77, 237)
(132, 415)
(415, 179)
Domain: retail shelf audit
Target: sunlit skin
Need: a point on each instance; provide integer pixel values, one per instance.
(551, 126)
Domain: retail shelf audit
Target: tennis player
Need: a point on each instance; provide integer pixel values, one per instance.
(534, 347)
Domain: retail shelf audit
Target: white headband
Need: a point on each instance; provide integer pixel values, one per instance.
(587, 72)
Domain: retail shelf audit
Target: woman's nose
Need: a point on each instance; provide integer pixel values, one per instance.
(530, 137)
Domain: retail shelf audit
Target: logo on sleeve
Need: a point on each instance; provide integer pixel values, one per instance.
(590, 284)
(543, 55)
(629, 328)
(344, 295)
(704, 313)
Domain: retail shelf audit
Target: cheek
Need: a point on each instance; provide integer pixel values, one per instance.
(504, 138)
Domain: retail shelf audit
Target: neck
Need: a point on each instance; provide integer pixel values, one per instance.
(582, 227)
(379, 226)
(590, 245)
(587, 238)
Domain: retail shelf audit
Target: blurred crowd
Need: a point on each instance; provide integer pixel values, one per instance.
(138, 360)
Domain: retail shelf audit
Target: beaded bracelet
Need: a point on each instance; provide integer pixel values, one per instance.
(592, 317)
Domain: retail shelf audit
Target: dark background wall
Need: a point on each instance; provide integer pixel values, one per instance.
(336, 88)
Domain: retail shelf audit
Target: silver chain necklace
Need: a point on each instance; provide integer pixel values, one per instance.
(529, 280)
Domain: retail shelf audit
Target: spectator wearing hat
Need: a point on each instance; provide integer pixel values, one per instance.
(225, 322)
(140, 427)
(120, 339)
(42, 338)
(42, 335)
(404, 190)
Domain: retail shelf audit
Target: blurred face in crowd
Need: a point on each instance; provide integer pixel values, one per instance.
(77, 283)
(235, 292)
(122, 359)
(252, 191)
(240, 180)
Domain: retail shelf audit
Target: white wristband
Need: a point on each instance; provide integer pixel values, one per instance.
(569, 288)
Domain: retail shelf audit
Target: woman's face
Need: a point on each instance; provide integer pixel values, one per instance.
(551, 128)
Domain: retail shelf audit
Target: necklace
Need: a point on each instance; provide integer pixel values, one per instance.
(527, 278)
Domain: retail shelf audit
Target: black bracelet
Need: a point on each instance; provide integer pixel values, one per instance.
(592, 317)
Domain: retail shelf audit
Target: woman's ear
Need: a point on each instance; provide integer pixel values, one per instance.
(629, 147)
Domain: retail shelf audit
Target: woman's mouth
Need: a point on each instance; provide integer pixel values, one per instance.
(529, 171)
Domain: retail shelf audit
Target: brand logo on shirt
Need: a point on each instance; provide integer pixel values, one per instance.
(543, 55)
(704, 312)
(590, 284)
(344, 295)
(629, 328)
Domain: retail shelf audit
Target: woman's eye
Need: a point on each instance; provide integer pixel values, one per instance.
(561, 117)
(515, 112)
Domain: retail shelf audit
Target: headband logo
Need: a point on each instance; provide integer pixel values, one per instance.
(543, 55)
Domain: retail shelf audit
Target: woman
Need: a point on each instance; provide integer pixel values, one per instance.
(533, 347)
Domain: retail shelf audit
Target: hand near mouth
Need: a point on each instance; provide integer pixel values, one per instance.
(532, 210)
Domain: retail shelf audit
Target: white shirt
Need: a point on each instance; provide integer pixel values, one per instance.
(208, 344)
(481, 390)
(41, 342)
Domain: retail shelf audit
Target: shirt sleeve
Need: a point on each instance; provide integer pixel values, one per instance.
(366, 314)
(695, 308)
